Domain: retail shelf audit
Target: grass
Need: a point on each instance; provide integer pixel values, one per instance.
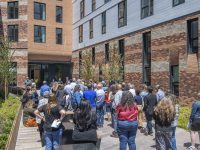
(8, 111)
(184, 115)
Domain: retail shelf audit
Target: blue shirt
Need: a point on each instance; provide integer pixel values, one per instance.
(43, 89)
(195, 110)
(138, 99)
(90, 95)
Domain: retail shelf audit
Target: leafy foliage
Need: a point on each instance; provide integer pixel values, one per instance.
(113, 70)
(184, 115)
(87, 71)
(8, 111)
(7, 66)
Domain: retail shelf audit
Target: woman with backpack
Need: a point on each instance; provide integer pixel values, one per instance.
(77, 96)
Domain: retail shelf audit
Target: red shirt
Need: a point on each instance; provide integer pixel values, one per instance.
(126, 113)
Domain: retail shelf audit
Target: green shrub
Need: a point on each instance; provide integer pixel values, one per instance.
(184, 115)
(8, 110)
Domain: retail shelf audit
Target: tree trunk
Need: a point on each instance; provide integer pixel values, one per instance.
(6, 89)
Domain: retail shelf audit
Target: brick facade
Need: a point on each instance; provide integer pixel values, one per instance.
(168, 47)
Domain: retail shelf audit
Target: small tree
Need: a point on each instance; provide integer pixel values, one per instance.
(113, 70)
(7, 66)
(87, 71)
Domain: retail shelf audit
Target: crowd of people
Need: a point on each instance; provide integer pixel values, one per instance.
(126, 107)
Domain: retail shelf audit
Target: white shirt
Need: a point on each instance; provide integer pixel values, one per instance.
(133, 92)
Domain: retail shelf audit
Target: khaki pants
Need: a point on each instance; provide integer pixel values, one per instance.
(140, 115)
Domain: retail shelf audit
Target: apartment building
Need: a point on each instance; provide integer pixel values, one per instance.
(158, 40)
(40, 33)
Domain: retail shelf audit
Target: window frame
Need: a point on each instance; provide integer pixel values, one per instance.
(82, 9)
(150, 7)
(103, 22)
(124, 17)
(15, 36)
(93, 55)
(59, 19)
(190, 40)
(80, 33)
(93, 5)
(179, 3)
(91, 28)
(107, 54)
(59, 38)
(41, 16)
(15, 10)
(146, 37)
(35, 41)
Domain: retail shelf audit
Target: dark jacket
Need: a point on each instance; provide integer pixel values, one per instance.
(150, 101)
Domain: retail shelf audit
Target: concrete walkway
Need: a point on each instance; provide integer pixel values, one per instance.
(28, 138)
(142, 142)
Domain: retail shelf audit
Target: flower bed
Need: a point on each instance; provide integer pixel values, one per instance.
(8, 110)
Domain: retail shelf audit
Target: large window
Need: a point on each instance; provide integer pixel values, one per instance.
(122, 13)
(91, 28)
(59, 13)
(193, 36)
(107, 53)
(178, 2)
(103, 24)
(39, 11)
(13, 33)
(12, 10)
(146, 8)
(121, 52)
(105, 1)
(93, 55)
(174, 72)
(93, 5)
(80, 63)
(147, 58)
(80, 33)
(82, 9)
(58, 36)
(39, 34)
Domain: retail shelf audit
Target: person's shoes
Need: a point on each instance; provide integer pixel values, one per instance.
(191, 148)
(114, 134)
(150, 133)
(146, 133)
(198, 148)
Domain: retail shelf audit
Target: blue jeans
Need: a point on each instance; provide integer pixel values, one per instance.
(114, 121)
(149, 119)
(127, 133)
(53, 139)
(174, 138)
(100, 116)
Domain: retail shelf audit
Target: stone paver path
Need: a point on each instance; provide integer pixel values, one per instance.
(28, 138)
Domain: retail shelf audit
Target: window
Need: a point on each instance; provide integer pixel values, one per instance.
(175, 79)
(59, 14)
(80, 63)
(39, 34)
(147, 58)
(103, 25)
(122, 13)
(80, 33)
(13, 33)
(193, 36)
(39, 11)
(107, 53)
(91, 28)
(12, 10)
(121, 52)
(82, 9)
(93, 55)
(58, 36)
(93, 5)
(105, 1)
(146, 8)
(178, 2)
(121, 48)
